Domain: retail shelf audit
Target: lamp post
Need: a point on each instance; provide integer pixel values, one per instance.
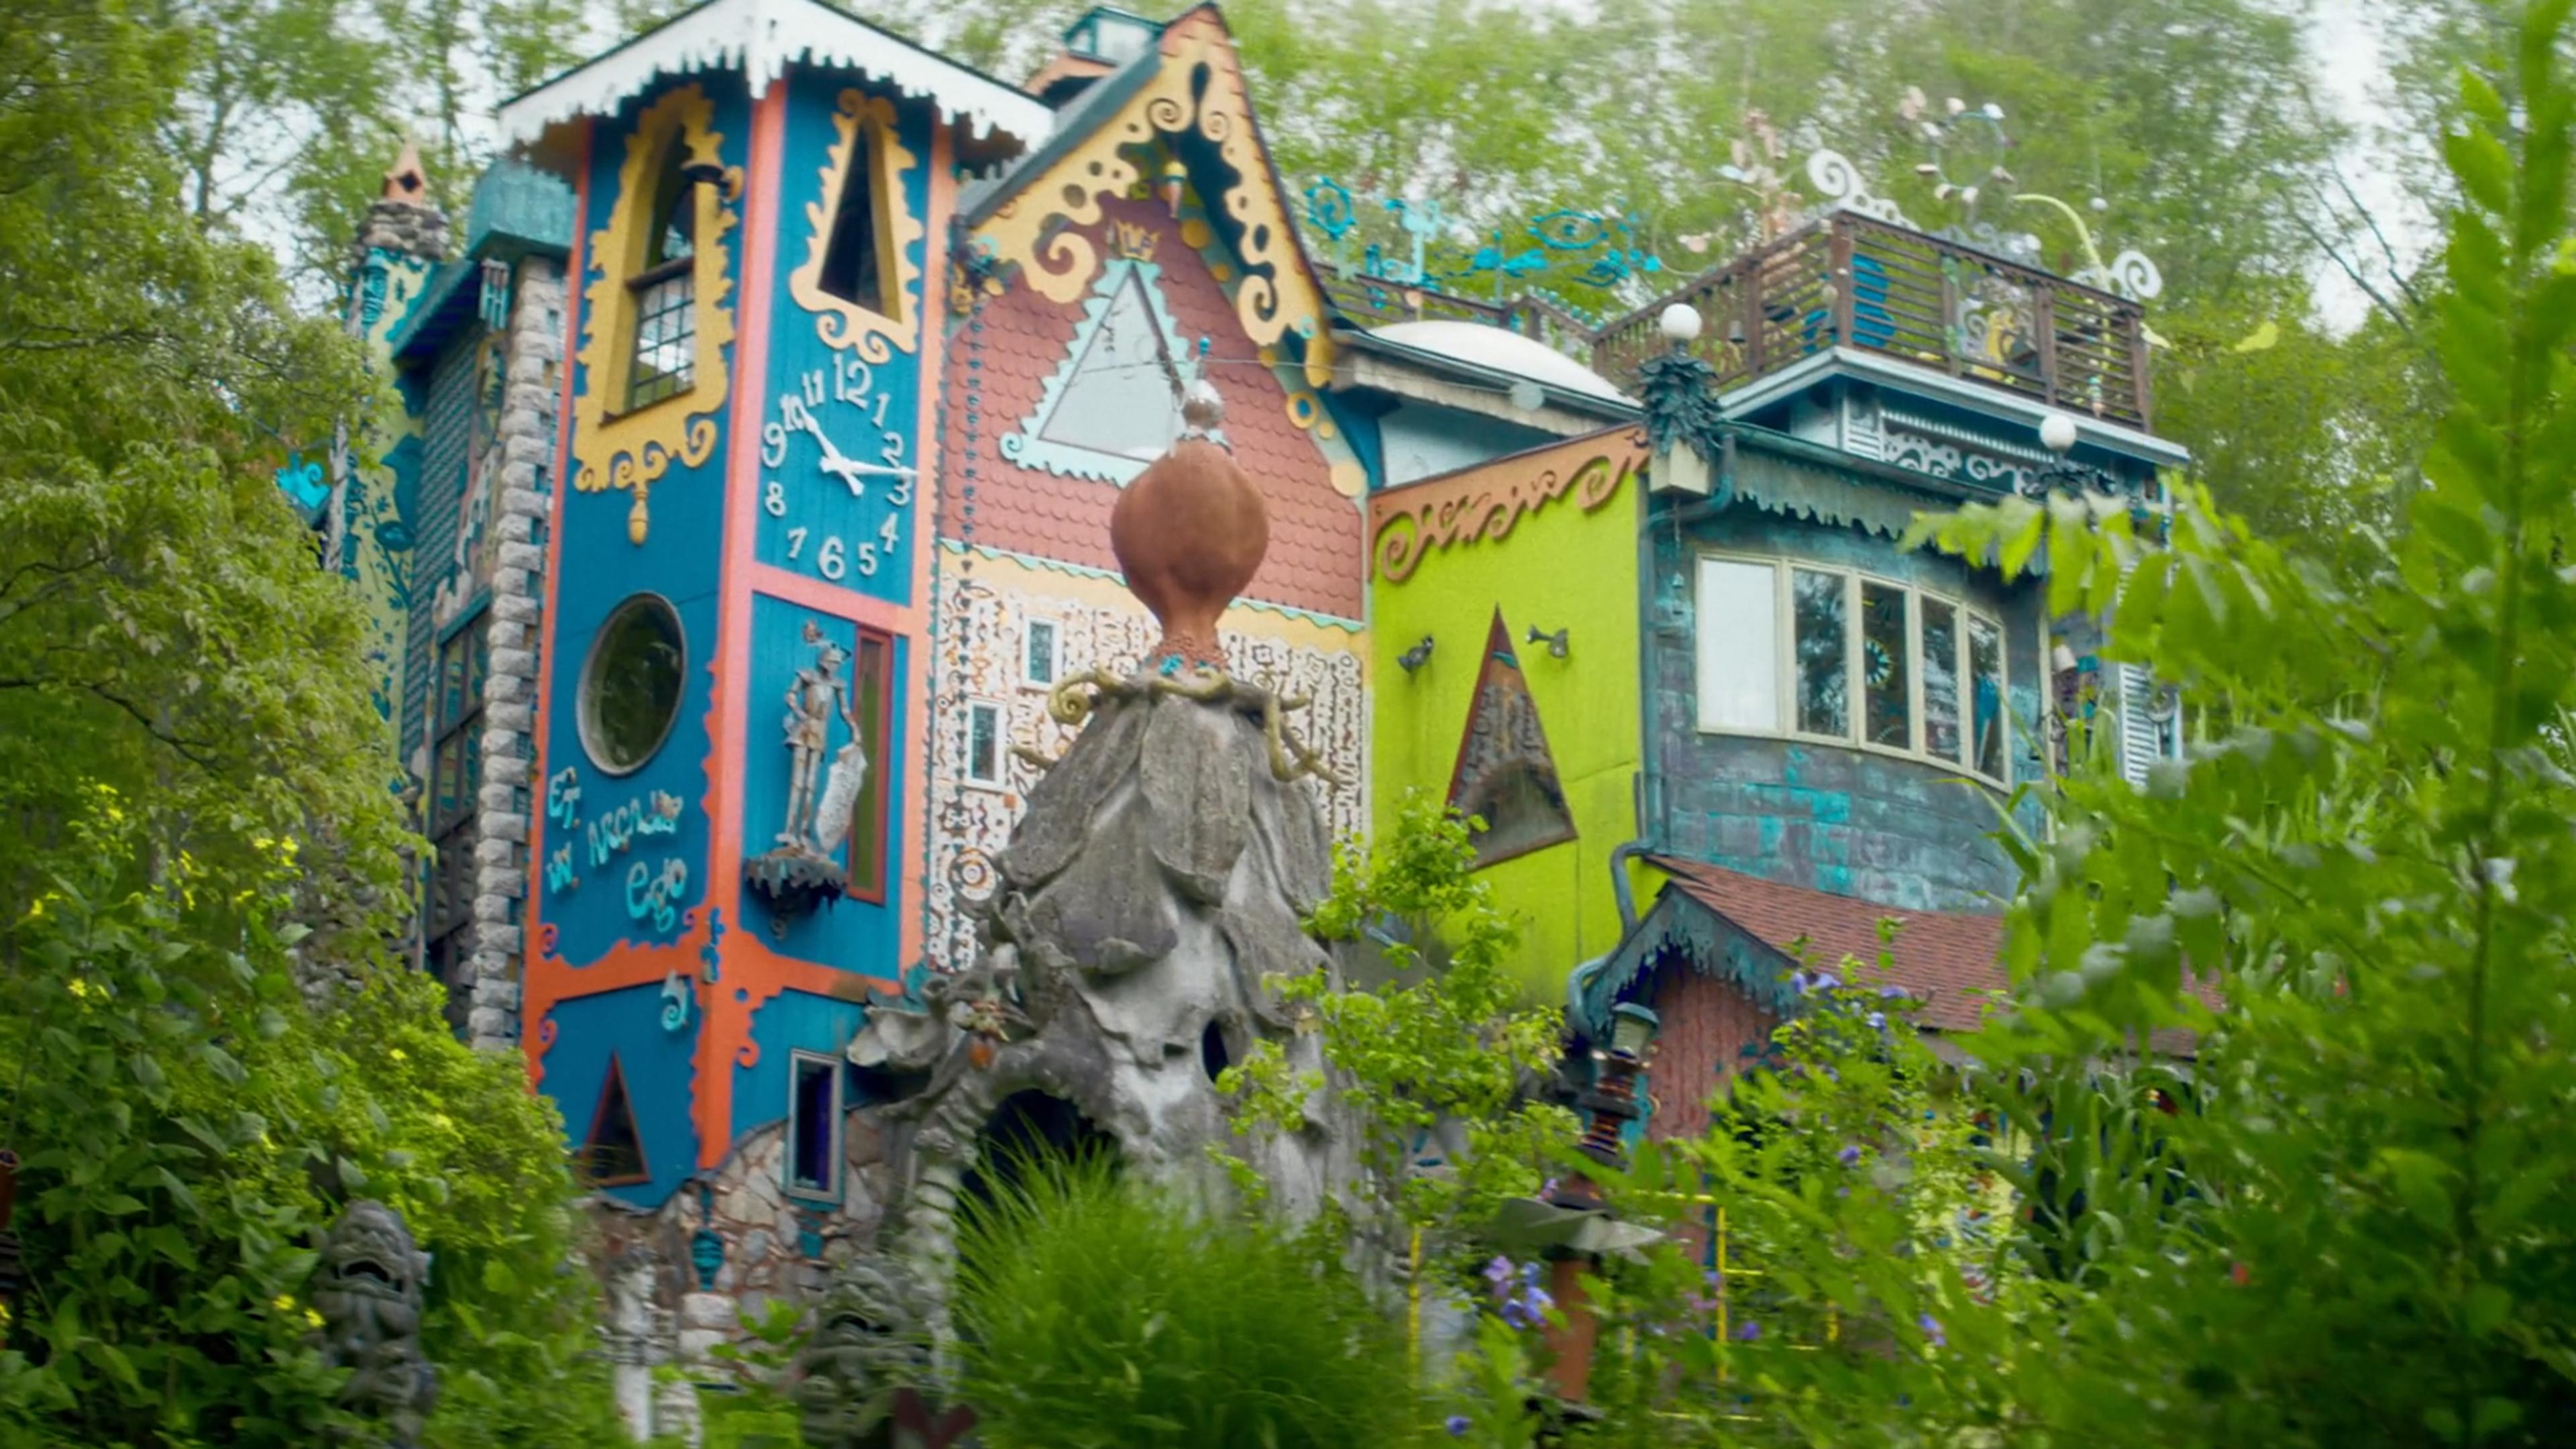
(1581, 1226)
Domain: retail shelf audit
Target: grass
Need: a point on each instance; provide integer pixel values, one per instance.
(1098, 1312)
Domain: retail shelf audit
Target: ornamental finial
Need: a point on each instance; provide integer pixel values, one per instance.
(1189, 534)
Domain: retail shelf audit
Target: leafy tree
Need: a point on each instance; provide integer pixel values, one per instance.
(1440, 1043)
(194, 783)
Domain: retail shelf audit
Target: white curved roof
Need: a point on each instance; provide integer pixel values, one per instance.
(1500, 350)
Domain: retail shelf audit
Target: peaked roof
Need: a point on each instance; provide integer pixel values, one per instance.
(762, 38)
(1944, 959)
(1742, 928)
(1188, 89)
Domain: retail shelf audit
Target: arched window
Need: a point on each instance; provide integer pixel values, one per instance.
(664, 290)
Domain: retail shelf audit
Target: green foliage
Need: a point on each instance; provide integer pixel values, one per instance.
(1445, 1044)
(188, 1126)
(1095, 1312)
(195, 783)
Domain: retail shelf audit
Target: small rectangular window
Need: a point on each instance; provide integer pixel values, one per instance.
(1986, 688)
(814, 1125)
(1739, 645)
(1823, 645)
(984, 744)
(1886, 687)
(1042, 660)
(1941, 679)
(666, 337)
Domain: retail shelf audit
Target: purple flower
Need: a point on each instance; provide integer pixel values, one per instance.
(1800, 981)
(1498, 1273)
(1877, 1020)
(1848, 1156)
(1547, 1188)
(1931, 1327)
(1891, 993)
(1827, 981)
(1457, 1426)
(1747, 1331)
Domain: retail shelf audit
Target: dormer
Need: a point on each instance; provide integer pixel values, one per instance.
(1097, 44)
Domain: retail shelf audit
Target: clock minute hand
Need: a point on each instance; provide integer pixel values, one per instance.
(832, 461)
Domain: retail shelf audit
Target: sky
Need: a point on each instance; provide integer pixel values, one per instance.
(2351, 77)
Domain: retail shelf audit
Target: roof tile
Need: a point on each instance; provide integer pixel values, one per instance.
(1948, 960)
(1316, 560)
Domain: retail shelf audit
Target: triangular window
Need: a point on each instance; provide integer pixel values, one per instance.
(1112, 406)
(850, 268)
(1505, 776)
(612, 1155)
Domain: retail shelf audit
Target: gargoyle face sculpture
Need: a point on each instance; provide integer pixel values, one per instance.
(369, 1254)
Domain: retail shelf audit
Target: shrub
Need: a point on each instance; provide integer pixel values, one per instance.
(1097, 1312)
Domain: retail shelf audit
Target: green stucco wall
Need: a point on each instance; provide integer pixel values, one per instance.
(1560, 565)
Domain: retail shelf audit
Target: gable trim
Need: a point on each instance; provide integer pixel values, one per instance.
(1038, 226)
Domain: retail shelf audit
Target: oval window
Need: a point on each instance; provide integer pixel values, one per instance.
(630, 686)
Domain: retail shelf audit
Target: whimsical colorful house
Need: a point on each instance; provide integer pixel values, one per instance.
(749, 511)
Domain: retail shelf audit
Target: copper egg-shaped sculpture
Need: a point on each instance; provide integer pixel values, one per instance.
(1190, 533)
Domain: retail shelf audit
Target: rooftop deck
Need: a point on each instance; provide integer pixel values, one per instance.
(1848, 280)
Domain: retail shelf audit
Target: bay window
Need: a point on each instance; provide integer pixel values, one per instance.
(1806, 652)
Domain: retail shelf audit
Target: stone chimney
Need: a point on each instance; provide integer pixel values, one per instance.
(402, 219)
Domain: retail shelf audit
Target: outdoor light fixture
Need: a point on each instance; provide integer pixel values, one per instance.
(1555, 642)
(1680, 324)
(1632, 1031)
(1417, 656)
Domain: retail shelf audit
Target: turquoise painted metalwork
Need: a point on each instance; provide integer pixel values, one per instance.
(304, 486)
(1589, 248)
(1029, 447)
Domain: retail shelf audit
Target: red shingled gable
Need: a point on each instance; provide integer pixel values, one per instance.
(1942, 957)
(1315, 560)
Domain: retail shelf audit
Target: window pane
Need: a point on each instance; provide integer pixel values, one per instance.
(1121, 397)
(1824, 649)
(983, 743)
(1941, 679)
(1739, 649)
(809, 1150)
(1885, 689)
(1041, 652)
(630, 686)
(1986, 679)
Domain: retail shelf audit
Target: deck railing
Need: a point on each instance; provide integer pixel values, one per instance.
(1848, 280)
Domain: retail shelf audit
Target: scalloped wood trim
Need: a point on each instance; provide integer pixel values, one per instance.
(871, 332)
(1040, 228)
(632, 450)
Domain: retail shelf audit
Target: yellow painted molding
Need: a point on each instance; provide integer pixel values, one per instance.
(1041, 228)
(867, 129)
(1406, 524)
(632, 450)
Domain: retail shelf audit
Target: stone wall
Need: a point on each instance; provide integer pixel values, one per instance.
(523, 483)
(663, 1311)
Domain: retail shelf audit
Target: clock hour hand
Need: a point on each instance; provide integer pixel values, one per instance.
(848, 470)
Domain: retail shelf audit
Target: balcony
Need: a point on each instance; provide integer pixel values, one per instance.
(1850, 281)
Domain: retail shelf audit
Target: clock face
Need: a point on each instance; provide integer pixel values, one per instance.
(836, 485)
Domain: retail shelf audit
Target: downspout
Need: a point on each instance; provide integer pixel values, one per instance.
(1650, 838)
